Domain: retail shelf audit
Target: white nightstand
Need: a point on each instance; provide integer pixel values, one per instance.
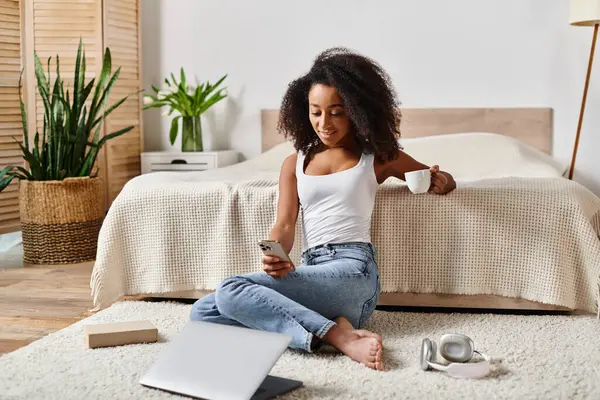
(155, 161)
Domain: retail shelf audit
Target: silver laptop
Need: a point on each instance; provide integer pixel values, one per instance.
(214, 361)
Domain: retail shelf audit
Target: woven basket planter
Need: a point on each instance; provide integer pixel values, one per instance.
(61, 220)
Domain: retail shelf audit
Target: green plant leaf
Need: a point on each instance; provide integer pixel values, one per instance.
(198, 98)
(211, 101)
(5, 171)
(76, 79)
(36, 146)
(43, 91)
(104, 97)
(183, 80)
(211, 88)
(56, 89)
(113, 135)
(174, 130)
(155, 105)
(8, 172)
(17, 175)
(90, 159)
(59, 138)
(57, 119)
(82, 80)
(39, 74)
(5, 182)
(36, 168)
(105, 114)
(78, 136)
(47, 155)
(104, 76)
(87, 90)
(96, 138)
(23, 113)
(49, 77)
(26, 173)
(219, 82)
(111, 109)
(185, 101)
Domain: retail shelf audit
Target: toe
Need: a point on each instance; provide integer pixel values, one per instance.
(375, 346)
(372, 365)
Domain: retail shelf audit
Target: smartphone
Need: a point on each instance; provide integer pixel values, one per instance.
(274, 248)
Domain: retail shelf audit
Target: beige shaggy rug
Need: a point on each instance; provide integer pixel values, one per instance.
(549, 357)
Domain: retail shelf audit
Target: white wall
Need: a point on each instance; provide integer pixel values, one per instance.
(439, 53)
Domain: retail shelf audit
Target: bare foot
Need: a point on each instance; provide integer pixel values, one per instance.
(359, 345)
(344, 323)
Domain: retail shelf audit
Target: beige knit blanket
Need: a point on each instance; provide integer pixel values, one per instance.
(532, 238)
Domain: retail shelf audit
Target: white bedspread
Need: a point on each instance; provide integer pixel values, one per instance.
(527, 237)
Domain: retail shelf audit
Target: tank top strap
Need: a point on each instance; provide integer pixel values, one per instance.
(369, 168)
(300, 163)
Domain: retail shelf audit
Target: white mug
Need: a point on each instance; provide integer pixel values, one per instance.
(418, 181)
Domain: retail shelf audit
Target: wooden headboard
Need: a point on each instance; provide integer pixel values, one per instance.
(530, 125)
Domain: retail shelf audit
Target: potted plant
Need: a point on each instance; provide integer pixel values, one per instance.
(190, 102)
(61, 196)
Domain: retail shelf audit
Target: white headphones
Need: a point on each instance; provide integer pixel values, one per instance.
(456, 348)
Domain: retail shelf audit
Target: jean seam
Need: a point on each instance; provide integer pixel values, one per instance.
(323, 331)
(361, 321)
(338, 275)
(366, 259)
(362, 314)
(308, 341)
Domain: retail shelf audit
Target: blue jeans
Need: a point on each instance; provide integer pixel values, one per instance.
(332, 280)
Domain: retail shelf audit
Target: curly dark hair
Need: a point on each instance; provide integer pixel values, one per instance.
(369, 99)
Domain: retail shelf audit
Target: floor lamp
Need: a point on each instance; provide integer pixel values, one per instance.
(584, 13)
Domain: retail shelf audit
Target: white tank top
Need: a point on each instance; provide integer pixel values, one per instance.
(337, 208)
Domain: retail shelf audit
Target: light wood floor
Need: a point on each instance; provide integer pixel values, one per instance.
(38, 300)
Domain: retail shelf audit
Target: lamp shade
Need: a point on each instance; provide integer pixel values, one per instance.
(585, 12)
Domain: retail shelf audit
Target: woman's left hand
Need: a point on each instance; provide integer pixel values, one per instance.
(441, 182)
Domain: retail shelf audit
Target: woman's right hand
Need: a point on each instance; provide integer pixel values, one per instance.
(275, 268)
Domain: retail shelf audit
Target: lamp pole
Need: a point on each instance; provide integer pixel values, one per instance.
(585, 90)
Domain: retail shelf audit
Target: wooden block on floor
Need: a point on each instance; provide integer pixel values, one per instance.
(119, 333)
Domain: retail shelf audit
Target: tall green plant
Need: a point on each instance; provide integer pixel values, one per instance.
(66, 149)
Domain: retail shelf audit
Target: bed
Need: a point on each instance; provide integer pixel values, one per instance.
(515, 234)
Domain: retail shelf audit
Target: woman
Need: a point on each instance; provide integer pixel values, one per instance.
(343, 119)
